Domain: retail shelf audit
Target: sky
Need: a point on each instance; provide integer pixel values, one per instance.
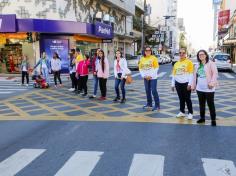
(198, 20)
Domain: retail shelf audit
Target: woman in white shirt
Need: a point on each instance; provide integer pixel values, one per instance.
(120, 72)
(56, 68)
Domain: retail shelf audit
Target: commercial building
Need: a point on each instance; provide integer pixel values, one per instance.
(30, 27)
(227, 28)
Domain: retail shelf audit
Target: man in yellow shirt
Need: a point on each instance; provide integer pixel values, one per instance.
(182, 78)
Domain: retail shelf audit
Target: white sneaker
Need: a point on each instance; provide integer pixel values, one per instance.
(190, 116)
(180, 115)
(27, 85)
(71, 89)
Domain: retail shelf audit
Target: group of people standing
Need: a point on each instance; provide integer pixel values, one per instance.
(79, 70)
(185, 78)
(202, 78)
(46, 67)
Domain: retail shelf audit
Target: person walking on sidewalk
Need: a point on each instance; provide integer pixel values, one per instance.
(25, 70)
(148, 67)
(44, 67)
(95, 63)
(56, 68)
(82, 72)
(72, 69)
(103, 74)
(120, 72)
(182, 77)
(205, 82)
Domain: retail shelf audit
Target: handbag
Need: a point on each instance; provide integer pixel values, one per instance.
(129, 79)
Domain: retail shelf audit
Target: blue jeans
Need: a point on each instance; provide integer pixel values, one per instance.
(95, 84)
(46, 76)
(151, 87)
(122, 86)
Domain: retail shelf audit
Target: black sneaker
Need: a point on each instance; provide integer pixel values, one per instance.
(84, 94)
(123, 100)
(92, 97)
(116, 99)
(213, 123)
(201, 121)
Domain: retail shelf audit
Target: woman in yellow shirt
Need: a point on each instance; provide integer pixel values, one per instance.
(148, 67)
(182, 78)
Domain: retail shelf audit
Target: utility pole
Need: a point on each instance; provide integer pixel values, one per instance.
(143, 30)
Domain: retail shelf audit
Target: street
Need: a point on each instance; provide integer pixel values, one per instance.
(55, 132)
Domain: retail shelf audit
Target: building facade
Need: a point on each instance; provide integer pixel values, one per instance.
(84, 24)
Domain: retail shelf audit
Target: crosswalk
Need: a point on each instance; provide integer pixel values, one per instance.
(82, 163)
(9, 87)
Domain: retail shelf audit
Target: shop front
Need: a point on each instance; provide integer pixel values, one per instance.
(33, 36)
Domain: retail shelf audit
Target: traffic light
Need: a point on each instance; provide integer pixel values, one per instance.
(29, 37)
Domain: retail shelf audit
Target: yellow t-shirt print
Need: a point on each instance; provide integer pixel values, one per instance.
(147, 65)
(181, 69)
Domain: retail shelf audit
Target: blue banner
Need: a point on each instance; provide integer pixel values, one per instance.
(61, 46)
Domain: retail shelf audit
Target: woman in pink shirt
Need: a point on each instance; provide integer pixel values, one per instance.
(205, 82)
(82, 73)
(103, 74)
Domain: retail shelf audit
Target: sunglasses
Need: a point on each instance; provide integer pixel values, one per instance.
(181, 52)
(148, 50)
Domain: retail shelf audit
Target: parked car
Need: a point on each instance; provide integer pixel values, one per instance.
(222, 61)
(175, 58)
(133, 61)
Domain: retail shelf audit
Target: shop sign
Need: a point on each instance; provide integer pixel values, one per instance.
(7, 23)
(103, 30)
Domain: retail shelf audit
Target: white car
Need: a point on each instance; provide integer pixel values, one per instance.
(133, 61)
(222, 61)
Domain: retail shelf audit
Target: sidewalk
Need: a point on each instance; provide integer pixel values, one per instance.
(234, 68)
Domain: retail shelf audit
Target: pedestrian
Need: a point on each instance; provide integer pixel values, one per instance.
(82, 72)
(182, 77)
(148, 67)
(103, 74)
(95, 63)
(56, 68)
(72, 69)
(45, 68)
(205, 82)
(25, 70)
(120, 72)
(79, 57)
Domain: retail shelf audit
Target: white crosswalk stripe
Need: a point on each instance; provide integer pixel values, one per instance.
(159, 75)
(8, 87)
(227, 75)
(218, 167)
(18, 161)
(81, 163)
(148, 165)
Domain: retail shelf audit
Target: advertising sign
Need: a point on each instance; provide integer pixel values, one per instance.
(61, 46)
(217, 1)
(223, 20)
